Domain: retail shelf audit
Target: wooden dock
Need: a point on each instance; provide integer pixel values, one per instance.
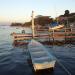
(64, 33)
(46, 33)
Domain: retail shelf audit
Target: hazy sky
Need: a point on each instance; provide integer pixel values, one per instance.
(20, 10)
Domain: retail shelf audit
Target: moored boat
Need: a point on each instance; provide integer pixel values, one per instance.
(41, 58)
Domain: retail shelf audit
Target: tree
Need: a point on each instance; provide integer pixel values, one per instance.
(67, 13)
(42, 20)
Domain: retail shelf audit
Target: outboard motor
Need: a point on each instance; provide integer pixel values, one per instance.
(23, 31)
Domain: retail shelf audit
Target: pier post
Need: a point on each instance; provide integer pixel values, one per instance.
(53, 35)
(49, 33)
(71, 35)
(33, 34)
(65, 34)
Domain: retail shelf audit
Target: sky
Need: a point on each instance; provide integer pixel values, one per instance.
(20, 10)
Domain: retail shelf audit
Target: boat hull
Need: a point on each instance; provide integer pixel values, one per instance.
(40, 57)
(43, 66)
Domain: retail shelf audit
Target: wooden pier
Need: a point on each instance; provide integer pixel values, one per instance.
(46, 33)
(64, 33)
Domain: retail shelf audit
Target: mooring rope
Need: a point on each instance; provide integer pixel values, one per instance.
(63, 67)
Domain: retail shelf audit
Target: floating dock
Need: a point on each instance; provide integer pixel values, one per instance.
(40, 57)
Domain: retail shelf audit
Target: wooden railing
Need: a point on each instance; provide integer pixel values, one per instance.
(54, 34)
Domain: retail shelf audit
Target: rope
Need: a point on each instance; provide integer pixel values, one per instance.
(63, 67)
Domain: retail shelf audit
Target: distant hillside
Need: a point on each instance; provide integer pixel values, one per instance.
(38, 20)
(16, 24)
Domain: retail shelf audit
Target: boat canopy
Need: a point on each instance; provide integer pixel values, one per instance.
(53, 24)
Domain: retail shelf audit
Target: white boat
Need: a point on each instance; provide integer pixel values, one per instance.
(41, 58)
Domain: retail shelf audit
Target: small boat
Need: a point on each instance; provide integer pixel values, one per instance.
(40, 57)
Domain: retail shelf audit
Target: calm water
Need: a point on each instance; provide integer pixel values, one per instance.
(13, 60)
